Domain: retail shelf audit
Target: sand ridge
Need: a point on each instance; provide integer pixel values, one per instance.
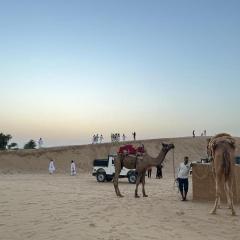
(36, 161)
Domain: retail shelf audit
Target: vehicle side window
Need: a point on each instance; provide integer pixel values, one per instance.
(113, 161)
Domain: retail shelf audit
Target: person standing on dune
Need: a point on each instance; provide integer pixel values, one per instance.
(40, 143)
(134, 136)
(101, 138)
(193, 133)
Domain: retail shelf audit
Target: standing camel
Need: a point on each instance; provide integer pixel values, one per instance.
(141, 164)
(222, 149)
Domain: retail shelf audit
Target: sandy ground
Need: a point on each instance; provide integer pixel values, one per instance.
(40, 206)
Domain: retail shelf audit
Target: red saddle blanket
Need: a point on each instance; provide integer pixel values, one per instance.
(129, 149)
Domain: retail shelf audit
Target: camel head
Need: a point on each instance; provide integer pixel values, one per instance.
(167, 147)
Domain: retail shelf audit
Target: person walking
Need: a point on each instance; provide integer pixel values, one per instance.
(51, 167)
(183, 173)
(73, 168)
(123, 137)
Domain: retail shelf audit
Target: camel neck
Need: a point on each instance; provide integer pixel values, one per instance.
(159, 159)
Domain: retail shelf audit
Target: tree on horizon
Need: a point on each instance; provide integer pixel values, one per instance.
(12, 146)
(30, 145)
(4, 139)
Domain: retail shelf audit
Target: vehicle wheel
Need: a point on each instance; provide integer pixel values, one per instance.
(101, 177)
(132, 178)
(109, 179)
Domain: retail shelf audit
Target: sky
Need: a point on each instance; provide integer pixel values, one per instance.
(71, 69)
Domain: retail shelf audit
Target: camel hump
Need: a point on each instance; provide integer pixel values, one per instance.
(219, 139)
(222, 135)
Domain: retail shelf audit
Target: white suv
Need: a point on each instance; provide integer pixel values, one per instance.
(104, 170)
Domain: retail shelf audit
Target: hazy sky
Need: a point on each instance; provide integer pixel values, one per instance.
(69, 69)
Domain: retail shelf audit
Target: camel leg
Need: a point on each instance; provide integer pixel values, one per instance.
(229, 194)
(219, 204)
(137, 184)
(143, 185)
(214, 176)
(115, 182)
(228, 197)
(217, 196)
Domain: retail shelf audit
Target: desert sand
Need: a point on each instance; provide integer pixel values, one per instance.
(64, 207)
(36, 205)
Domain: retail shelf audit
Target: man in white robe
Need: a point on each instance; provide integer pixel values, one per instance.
(51, 167)
(40, 143)
(73, 168)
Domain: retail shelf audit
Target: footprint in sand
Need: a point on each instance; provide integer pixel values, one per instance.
(92, 225)
(180, 213)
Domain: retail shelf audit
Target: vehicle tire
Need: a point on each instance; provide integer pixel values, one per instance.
(101, 177)
(132, 177)
(109, 178)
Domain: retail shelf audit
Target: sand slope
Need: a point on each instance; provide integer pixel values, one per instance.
(36, 161)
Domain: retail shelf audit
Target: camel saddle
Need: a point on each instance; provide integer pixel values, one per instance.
(130, 150)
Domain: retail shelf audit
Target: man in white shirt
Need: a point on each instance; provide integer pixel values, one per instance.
(183, 173)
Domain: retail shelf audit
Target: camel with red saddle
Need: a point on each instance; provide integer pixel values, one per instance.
(141, 161)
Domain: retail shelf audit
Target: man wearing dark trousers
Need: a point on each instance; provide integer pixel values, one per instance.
(183, 173)
(159, 171)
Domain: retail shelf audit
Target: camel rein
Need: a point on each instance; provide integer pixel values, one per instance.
(175, 184)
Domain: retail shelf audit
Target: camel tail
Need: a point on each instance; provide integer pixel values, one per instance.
(226, 164)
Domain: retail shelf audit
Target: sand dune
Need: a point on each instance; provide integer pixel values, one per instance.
(36, 161)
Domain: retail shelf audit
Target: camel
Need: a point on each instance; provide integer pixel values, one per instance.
(221, 148)
(141, 164)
